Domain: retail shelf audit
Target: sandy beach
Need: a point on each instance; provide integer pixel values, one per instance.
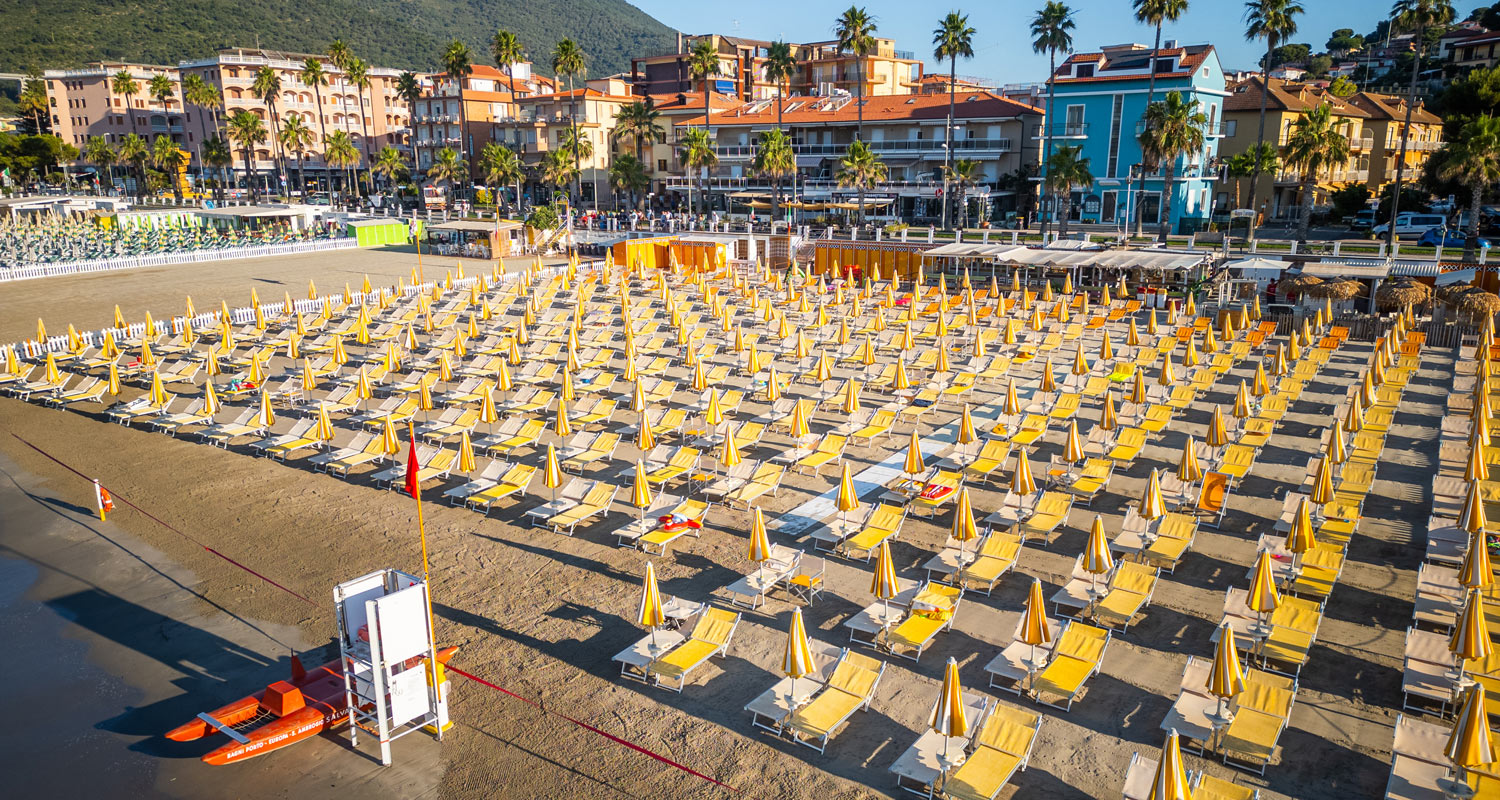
(161, 630)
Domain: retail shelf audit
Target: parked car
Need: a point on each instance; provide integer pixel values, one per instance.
(1363, 220)
(1444, 237)
(1411, 224)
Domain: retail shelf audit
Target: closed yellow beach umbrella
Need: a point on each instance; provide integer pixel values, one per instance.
(1188, 468)
(552, 474)
(1264, 598)
(760, 544)
(1471, 744)
(1261, 385)
(1012, 405)
(1080, 362)
(1472, 517)
(266, 417)
(1021, 480)
(1300, 538)
(714, 414)
(560, 424)
(1138, 389)
(1278, 365)
(797, 661)
(773, 386)
(1333, 446)
(651, 615)
(1107, 419)
(1106, 349)
(1322, 489)
(466, 462)
(729, 450)
(799, 425)
(1477, 468)
(901, 381)
(390, 444)
(1475, 572)
(1151, 323)
(966, 434)
(914, 463)
(964, 530)
(1151, 506)
(1171, 779)
(883, 583)
(847, 499)
(1293, 349)
(1034, 630)
(323, 429)
(147, 359)
(943, 363)
(640, 494)
(1226, 678)
(1242, 402)
(851, 397)
(51, 375)
(1073, 446)
(1049, 382)
(114, 378)
(1470, 640)
(1097, 560)
(1217, 435)
(948, 719)
(1354, 418)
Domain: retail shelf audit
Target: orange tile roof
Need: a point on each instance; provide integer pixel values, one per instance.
(813, 110)
(692, 100)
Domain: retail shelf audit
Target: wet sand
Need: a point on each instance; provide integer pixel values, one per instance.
(542, 614)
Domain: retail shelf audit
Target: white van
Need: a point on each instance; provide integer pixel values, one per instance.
(1411, 224)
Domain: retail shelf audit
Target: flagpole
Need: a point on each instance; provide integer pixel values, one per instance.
(415, 486)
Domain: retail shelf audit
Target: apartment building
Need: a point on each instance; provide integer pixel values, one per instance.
(821, 69)
(373, 118)
(448, 114)
(906, 131)
(1371, 123)
(545, 120)
(83, 104)
(1099, 105)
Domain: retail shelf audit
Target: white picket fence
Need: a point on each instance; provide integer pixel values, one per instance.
(166, 259)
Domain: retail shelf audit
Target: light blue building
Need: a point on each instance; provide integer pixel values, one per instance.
(1099, 104)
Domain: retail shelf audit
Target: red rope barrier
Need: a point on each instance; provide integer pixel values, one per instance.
(617, 740)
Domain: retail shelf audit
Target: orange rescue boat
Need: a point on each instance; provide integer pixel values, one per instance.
(287, 712)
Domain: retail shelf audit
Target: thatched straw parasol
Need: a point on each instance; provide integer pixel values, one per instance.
(1402, 292)
(1476, 303)
(1299, 283)
(1340, 289)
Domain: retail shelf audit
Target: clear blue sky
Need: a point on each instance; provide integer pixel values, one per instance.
(1002, 50)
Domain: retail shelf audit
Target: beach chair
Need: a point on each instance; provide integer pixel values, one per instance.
(992, 456)
(1092, 480)
(937, 491)
(1213, 499)
(486, 479)
(683, 461)
(1050, 514)
(221, 434)
(931, 613)
(687, 517)
(514, 481)
(770, 709)
(88, 391)
(363, 448)
(710, 637)
(451, 423)
(1076, 658)
(1130, 590)
(830, 450)
(883, 524)
(878, 425)
(1002, 748)
(601, 448)
(1237, 461)
(1128, 444)
(736, 477)
(996, 555)
(850, 688)
(299, 438)
(525, 436)
(1032, 428)
(593, 504)
(599, 413)
(765, 480)
(921, 767)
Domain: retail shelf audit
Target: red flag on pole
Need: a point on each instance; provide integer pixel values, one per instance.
(412, 466)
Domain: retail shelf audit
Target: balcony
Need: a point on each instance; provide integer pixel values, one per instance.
(1362, 145)
(884, 147)
(1070, 130)
(1211, 131)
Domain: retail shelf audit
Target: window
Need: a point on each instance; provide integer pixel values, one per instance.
(1085, 71)
(1074, 124)
(1116, 119)
(1229, 126)
(661, 165)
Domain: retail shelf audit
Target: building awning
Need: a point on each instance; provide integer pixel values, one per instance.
(971, 250)
(1417, 269)
(475, 226)
(1258, 268)
(1348, 269)
(1456, 277)
(809, 161)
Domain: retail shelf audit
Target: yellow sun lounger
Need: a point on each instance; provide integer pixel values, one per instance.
(1051, 512)
(1249, 742)
(514, 481)
(1066, 407)
(660, 538)
(932, 612)
(682, 462)
(1129, 591)
(596, 502)
(996, 556)
(765, 480)
(1076, 657)
(850, 688)
(830, 450)
(710, 637)
(1032, 428)
(993, 456)
(879, 425)
(1238, 459)
(1128, 444)
(1002, 748)
(937, 492)
(884, 524)
(1093, 479)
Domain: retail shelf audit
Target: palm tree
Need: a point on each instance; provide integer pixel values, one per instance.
(341, 153)
(576, 142)
(855, 30)
(1276, 22)
(861, 168)
(774, 159)
(458, 64)
(1155, 13)
(248, 131)
(627, 174)
(567, 61)
(1474, 159)
(1051, 31)
(160, 89)
(216, 154)
(954, 38)
(696, 151)
(557, 170)
(507, 51)
(964, 173)
(99, 153)
(1418, 16)
(703, 64)
(314, 75)
(1244, 165)
(170, 159)
(500, 166)
(1313, 146)
(295, 137)
(409, 88)
(1065, 171)
(267, 88)
(1174, 128)
(340, 54)
(639, 123)
(33, 100)
(390, 164)
(357, 74)
(133, 150)
(122, 83)
(781, 67)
